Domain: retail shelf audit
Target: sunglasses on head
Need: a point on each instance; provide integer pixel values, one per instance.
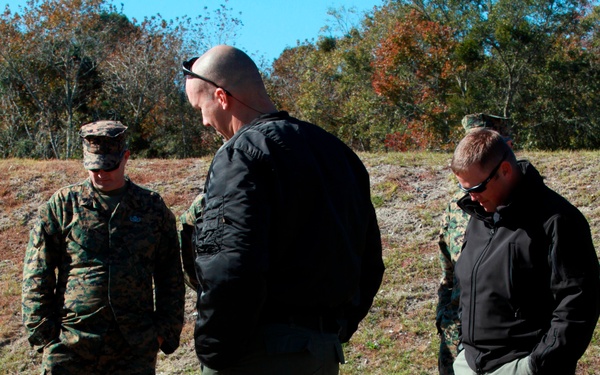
(187, 71)
(480, 188)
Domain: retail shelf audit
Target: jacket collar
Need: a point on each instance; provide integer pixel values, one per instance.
(90, 196)
(268, 117)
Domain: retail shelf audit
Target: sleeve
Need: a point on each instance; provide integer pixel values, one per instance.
(575, 286)
(451, 242)
(372, 269)
(232, 255)
(169, 286)
(188, 221)
(39, 300)
(447, 279)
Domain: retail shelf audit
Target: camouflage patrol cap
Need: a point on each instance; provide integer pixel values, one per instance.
(482, 120)
(104, 143)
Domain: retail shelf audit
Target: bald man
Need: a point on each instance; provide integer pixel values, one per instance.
(288, 250)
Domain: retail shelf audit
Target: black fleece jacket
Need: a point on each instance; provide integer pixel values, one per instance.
(528, 275)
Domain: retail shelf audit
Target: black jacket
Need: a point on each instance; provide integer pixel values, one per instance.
(529, 282)
(288, 230)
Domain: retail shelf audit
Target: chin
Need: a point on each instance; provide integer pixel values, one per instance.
(489, 209)
(104, 187)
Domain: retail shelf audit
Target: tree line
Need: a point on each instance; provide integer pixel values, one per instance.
(399, 79)
(405, 78)
(64, 63)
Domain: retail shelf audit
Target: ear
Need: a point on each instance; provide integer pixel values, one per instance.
(506, 169)
(222, 98)
(126, 156)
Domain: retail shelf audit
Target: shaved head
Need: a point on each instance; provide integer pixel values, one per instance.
(231, 68)
(241, 92)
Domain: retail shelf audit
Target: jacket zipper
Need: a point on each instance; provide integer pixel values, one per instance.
(473, 294)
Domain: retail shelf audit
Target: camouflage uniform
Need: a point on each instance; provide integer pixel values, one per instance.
(451, 239)
(483, 120)
(188, 221)
(454, 224)
(99, 286)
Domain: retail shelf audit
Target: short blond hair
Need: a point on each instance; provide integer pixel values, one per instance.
(482, 148)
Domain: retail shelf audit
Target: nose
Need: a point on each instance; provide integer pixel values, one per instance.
(474, 196)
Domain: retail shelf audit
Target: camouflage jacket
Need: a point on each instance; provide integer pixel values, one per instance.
(451, 239)
(86, 269)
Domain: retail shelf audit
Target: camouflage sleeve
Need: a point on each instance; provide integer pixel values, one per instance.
(195, 211)
(451, 241)
(447, 279)
(188, 222)
(42, 257)
(169, 286)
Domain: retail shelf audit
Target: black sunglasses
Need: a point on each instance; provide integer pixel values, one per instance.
(113, 168)
(480, 188)
(187, 71)
(107, 170)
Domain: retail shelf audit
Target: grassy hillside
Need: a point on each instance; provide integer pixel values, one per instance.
(410, 191)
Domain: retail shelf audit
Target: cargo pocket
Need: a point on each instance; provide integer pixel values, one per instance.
(208, 233)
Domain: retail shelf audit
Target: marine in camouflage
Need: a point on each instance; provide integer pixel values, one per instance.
(90, 273)
(451, 239)
(188, 255)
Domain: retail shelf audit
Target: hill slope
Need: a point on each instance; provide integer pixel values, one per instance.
(410, 191)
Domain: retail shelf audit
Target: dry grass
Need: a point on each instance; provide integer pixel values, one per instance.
(410, 191)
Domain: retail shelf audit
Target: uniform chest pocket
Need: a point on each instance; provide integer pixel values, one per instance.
(138, 240)
(85, 240)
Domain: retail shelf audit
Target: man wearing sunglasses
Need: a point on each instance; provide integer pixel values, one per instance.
(102, 280)
(288, 250)
(528, 271)
(454, 223)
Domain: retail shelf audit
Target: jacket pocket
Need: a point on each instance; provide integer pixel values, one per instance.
(84, 334)
(523, 279)
(208, 233)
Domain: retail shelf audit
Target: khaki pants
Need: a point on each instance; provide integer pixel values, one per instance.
(517, 367)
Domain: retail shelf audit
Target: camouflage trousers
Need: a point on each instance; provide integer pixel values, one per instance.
(290, 350)
(449, 341)
(446, 357)
(113, 357)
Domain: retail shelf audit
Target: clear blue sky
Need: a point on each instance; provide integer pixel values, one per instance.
(269, 26)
